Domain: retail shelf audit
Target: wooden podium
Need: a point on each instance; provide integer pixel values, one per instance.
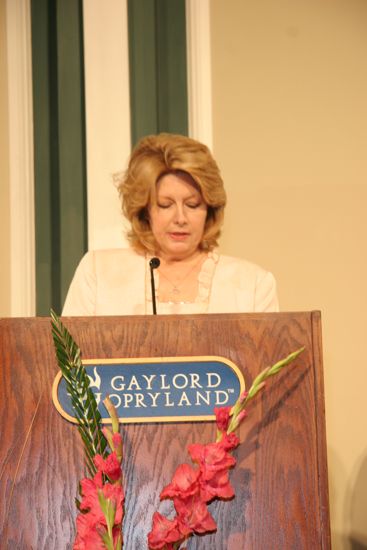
(281, 475)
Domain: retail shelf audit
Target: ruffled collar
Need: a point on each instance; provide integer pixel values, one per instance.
(205, 279)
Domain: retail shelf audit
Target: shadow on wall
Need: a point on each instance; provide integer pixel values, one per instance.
(337, 480)
(351, 513)
(357, 544)
(348, 515)
(357, 506)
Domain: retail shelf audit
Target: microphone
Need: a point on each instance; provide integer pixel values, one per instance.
(153, 264)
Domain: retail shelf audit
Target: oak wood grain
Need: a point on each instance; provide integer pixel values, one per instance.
(281, 474)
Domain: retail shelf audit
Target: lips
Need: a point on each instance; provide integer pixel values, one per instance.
(179, 236)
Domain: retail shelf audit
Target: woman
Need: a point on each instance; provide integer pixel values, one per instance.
(172, 194)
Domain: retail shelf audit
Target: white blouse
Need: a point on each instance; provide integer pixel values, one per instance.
(117, 282)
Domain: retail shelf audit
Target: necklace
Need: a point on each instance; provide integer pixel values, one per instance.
(169, 303)
(180, 284)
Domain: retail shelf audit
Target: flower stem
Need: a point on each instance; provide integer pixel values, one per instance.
(257, 385)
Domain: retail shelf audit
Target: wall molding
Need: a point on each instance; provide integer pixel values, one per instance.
(22, 239)
(107, 106)
(199, 71)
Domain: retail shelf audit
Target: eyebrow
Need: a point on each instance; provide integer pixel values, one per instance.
(192, 196)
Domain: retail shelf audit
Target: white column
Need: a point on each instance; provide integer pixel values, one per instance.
(199, 70)
(22, 234)
(107, 116)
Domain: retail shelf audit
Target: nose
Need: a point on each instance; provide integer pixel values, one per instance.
(180, 215)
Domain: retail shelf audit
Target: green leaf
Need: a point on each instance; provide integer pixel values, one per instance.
(82, 398)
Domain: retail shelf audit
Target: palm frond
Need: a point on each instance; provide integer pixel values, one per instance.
(82, 398)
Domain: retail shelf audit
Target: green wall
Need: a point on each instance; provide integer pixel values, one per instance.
(59, 147)
(157, 56)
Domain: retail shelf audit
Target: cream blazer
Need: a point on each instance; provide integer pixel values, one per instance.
(113, 282)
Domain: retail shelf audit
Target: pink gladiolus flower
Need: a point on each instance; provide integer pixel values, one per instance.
(193, 515)
(229, 441)
(117, 439)
(89, 488)
(87, 534)
(110, 466)
(222, 415)
(163, 533)
(217, 486)
(242, 415)
(115, 493)
(92, 523)
(214, 462)
(211, 457)
(184, 483)
(243, 396)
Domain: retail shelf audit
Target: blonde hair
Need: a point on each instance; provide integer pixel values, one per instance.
(155, 156)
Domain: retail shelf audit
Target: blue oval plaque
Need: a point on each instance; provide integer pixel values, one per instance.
(169, 389)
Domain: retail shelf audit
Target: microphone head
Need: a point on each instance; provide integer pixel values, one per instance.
(154, 263)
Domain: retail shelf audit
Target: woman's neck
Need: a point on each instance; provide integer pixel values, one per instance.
(171, 259)
(178, 278)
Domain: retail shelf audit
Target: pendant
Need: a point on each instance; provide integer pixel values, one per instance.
(175, 290)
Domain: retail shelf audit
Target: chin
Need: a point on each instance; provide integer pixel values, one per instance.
(178, 252)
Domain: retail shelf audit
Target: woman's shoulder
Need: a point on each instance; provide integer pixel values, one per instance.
(235, 264)
(107, 266)
(107, 256)
(255, 285)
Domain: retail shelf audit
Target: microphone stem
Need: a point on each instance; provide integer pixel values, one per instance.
(152, 283)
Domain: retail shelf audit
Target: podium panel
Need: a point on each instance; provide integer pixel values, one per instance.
(280, 479)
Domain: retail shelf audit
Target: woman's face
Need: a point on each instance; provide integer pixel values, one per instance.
(177, 219)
